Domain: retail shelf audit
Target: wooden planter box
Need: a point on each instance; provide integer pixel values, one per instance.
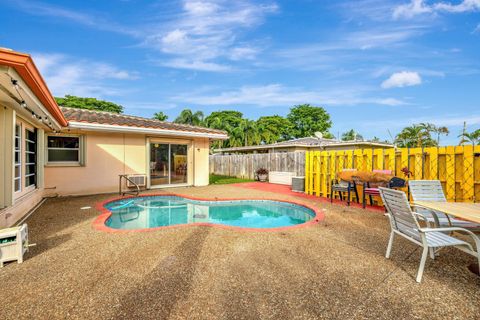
(13, 244)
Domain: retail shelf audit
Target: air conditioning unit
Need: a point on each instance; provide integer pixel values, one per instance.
(139, 179)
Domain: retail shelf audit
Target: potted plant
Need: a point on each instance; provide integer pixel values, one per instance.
(262, 174)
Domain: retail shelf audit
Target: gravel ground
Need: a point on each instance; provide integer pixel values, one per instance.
(335, 269)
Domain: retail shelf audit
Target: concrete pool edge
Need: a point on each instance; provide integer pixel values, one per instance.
(99, 222)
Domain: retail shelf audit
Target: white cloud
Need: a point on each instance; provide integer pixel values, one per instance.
(418, 7)
(402, 79)
(208, 31)
(203, 36)
(196, 65)
(43, 9)
(448, 120)
(477, 29)
(409, 10)
(382, 38)
(200, 8)
(279, 95)
(67, 75)
(464, 6)
(243, 53)
(389, 102)
(368, 38)
(358, 10)
(383, 71)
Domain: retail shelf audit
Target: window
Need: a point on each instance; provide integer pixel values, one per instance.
(30, 157)
(18, 158)
(64, 149)
(25, 158)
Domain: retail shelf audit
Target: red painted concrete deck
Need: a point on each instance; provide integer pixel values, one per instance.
(286, 190)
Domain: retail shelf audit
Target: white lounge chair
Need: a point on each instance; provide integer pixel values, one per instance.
(431, 190)
(405, 223)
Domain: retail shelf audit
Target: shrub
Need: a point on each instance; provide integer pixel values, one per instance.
(262, 171)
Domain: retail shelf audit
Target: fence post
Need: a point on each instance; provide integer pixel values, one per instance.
(450, 170)
(307, 172)
(317, 175)
(433, 152)
(468, 186)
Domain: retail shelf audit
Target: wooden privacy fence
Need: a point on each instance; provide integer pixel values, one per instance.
(245, 165)
(457, 167)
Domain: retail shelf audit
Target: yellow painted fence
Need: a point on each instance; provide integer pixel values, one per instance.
(457, 167)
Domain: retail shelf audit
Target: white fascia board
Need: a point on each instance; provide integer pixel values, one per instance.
(33, 98)
(127, 129)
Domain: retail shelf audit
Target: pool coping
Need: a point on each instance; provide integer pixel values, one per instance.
(99, 222)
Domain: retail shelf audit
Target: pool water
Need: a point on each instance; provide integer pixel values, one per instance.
(161, 211)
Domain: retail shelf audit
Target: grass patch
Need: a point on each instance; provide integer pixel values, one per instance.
(215, 179)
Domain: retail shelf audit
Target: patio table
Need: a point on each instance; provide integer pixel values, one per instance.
(463, 210)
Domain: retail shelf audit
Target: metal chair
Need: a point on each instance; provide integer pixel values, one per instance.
(341, 186)
(431, 190)
(405, 222)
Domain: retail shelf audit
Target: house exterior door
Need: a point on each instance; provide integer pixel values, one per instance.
(168, 164)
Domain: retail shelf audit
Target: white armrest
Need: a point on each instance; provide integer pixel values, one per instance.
(433, 212)
(449, 229)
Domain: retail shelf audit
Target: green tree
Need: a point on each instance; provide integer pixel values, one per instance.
(273, 129)
(328, 135)
(187, 116)
(248, 131)
(415, 136)
(226, 120)
(307, 119)
(470, 137)
(351, 135)
(223, 119)
(160, 116)
(441, 131)
(88, 103)
(438, 130)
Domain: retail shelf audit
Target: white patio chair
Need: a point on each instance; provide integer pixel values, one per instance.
(404, 222)
(431, 190)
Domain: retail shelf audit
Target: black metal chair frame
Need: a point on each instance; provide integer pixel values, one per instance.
(395, 182)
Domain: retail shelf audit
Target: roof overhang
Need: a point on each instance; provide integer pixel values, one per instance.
(361, 144)
(31, 78)
(141, 130)
(261, 147)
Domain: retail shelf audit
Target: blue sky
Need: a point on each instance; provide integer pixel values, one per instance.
(373, 64)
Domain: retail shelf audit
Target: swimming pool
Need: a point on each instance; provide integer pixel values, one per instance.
(163, 211)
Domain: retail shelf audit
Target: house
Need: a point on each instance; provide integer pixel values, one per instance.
(49, 150)
(305, 144)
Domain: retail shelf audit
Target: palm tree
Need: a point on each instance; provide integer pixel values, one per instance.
(439, 130)
(470, 137)
(351, 135)
(189, 117)
(160, 116)
(266, 134)
(246, 132)
(415, 136)
(236, 138)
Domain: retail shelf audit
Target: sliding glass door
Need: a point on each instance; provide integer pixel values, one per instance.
(168, 164)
